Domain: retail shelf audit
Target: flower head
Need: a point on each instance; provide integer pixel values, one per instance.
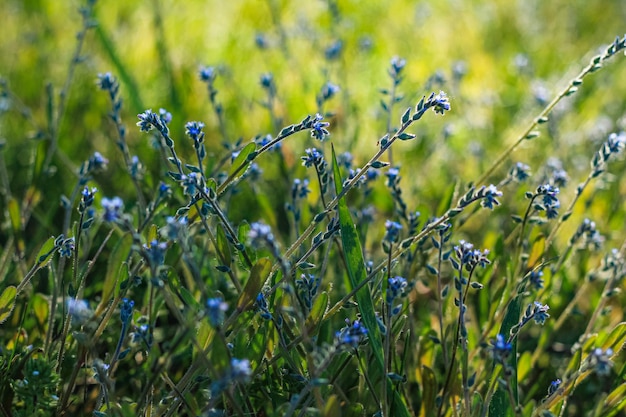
(318, 130)
(112, 208)
(351, 335)
(215, 308)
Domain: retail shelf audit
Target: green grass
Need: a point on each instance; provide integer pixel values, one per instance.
(302, 320)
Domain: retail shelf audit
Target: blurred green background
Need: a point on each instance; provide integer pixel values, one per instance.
(497, 60)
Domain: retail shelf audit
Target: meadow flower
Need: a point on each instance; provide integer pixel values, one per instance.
(600, 361)
(240, 370)
(540, 312)
(554, 386)
(520, 172)
(126, 310)
(155, 252)
(328, 91)
(207, 74)
(500, 349)
(392, 231)
(67, 247)
(318, 130)
(112, 208)
(194, 131)
(261, 305)
(86, 199)
(216, 309)
(313, 157)
(489, 197)
(535, 278)
(79, 310)
(333, 51)
(352, 335)
(397, 65)
(439, 102)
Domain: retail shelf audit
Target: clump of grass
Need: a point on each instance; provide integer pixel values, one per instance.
(254, 281)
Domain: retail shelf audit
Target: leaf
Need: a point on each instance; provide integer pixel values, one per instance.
(317, 312)
(500, 404)
(7, 302)
(188, 298)
(242, 235)
(537, 251)
(40, 307)
(356, 272)
(332, 407)
(242, 160)
(258, 275)
(43, 256)
(429, 394)
(616, 338)
(118, 257)
(223, 247)
(16, 223)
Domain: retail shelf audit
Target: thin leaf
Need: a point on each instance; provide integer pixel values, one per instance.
(356, 272)
(7, 303)
(258, 275)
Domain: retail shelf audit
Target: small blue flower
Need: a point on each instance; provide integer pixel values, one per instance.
(107, 81)
(554, 386)
(300, 189)
(439, 102)
(351, 335)
(97, 163)
(328, 91)
(392, 177)
(215, 308)
(67, 248)
(155, 252)
(319, 130)
(260, 233)
(240, 370)
(313, 157)
(267, 81)
(207, 74)
(86, 199)
(79, 310)
(194, 131)
(333, 51)
(261, 305)
(490, 195)
(112, 208)
(600, 361)
(149, 120)
(536, 279)
(520, 172)
(126, 310)
(165, 116)
(540, 312)
(397, 65)
(392, 231)
(260, 40)
(500, 349)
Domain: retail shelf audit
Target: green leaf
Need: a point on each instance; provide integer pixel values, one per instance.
(43, 257)
(188, 298)
(118, 258)
(356, 272)
(258, 275)
(242, 159)
(317, 312)
(429, 395)
(223, 247)
(242, 235)
(500, 404)
(7, 303)
(40, 307)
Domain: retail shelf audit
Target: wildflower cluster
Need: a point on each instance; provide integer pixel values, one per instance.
(545, 199)
(352, 335)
